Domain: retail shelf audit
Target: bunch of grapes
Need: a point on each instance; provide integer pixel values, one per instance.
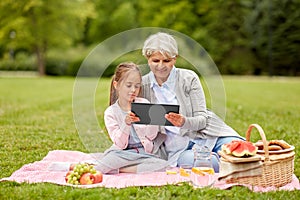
(73, 176)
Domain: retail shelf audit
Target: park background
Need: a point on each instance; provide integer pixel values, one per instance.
(50, 39)
(243, 37)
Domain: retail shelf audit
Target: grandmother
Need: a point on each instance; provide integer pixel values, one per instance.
(195, 124)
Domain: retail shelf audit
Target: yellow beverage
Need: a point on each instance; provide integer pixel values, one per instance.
(202, 176)
(208, 170)
(197, 171)
(203, 170)
(184, 172)
(169, 171)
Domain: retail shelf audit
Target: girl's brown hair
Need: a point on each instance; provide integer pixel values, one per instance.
(121, 72)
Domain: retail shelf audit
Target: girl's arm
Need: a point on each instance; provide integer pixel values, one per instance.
(118, 131)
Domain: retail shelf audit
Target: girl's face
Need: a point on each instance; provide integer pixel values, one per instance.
(129, 87)
(161, 66)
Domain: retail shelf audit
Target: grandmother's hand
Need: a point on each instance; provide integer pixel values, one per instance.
(175, 118)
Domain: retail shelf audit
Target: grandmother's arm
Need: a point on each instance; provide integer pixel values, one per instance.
(196, 115)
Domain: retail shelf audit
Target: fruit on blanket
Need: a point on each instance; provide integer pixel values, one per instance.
(98, 177)
(72, 167)
(68, 175)
(87, 178)
(239, 148)
(83, 173)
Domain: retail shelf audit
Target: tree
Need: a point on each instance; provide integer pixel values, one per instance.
(40, 25)
(113, 17)
(229, 39)
(274, 26)
(241, 36)
(172, 14)
(217, 25)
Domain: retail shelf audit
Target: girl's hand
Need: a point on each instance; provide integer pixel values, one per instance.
(175, 118)
(131, 118)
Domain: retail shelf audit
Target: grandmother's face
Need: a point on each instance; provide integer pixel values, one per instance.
(161, 66)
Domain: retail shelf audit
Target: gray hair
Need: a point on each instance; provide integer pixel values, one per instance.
(162, 42)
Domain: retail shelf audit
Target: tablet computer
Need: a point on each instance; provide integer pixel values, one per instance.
(153, 114)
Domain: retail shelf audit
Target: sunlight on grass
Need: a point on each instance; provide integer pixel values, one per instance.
(36, 117)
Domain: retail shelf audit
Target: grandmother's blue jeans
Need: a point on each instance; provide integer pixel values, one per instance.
(187, 157)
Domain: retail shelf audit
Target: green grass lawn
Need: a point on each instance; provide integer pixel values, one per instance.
(36, 117)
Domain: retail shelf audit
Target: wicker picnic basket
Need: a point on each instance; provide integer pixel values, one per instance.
(277, 171)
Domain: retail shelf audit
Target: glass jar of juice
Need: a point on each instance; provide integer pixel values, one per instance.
(202, 173)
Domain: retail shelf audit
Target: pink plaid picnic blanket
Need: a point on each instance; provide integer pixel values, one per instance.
(38, 172)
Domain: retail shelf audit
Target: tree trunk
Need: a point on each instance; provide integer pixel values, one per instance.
(40, 54)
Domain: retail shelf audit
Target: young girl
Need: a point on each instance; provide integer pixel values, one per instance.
(136, 148)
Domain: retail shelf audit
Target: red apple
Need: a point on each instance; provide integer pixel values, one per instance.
(66, 177)
(98, 177)
(87, 178)
(71, 168)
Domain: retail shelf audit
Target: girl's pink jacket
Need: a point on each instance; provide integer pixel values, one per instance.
(119, 131)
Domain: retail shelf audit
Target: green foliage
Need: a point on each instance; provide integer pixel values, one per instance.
(274, 30)
(230, 47)
(177, 15)
(39, 25)
(240, 61)
(112, 18)
(74, 67)
(242, 36)
(65, 62)
(21, 62)
(56, 67)
(36, 117)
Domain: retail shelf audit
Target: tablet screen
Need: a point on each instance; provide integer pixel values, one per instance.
(153, 114)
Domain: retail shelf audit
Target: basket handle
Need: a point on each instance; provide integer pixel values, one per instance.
(263, 137)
